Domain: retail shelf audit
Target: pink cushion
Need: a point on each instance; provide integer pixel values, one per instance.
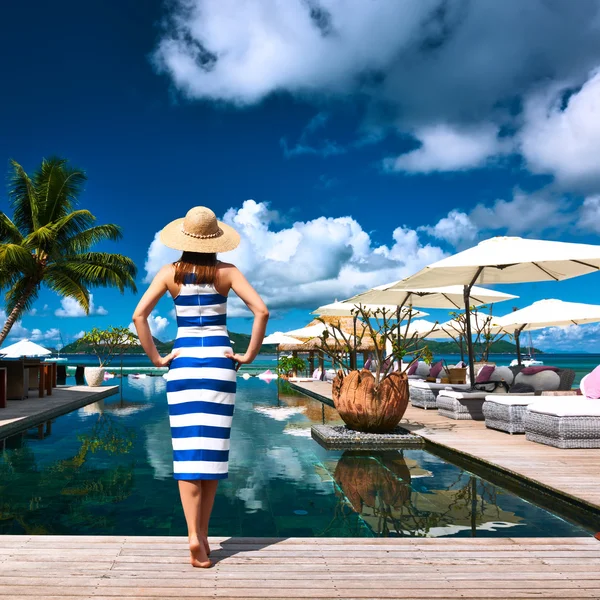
(413, 368)
(592, 384)
(367, 364)
(534, 370)
(484, 374)
(436, 369)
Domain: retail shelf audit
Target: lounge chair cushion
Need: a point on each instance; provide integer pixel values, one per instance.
(430, 385)
(512, 399)
(436, 369)
(544, 381)
(566, 406)
(484, 374)
(422, 369)
(412, 369)
(590, 384)
(466, 394)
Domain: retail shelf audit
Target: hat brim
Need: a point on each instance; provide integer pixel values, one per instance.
(173, 236)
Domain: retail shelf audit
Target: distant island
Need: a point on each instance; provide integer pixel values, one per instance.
(241, 341)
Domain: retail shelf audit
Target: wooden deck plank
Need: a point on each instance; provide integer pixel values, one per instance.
(571, 473)
(302, 568)
(20, 415)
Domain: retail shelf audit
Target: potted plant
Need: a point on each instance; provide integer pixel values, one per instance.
(374, 401)
(105, 344)
(289, 366)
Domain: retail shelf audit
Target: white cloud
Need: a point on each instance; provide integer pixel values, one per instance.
(580, 338)
(79, 335)
(37, 335)
(157, 324)
(564, 140)
(456, 228)
(71, 308)
(312, 262)
(158, 256)
(17, 330)
(446, 148)
(589, 214)
(463, 66)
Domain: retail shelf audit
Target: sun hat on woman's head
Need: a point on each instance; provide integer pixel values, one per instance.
(199, 231)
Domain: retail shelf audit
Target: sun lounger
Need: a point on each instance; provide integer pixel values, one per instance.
(423, 394)
(564, 422)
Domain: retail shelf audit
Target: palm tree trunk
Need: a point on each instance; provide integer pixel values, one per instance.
(15, 313)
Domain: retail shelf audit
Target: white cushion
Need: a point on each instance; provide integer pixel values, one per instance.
(567, 406)
(502, 374)
(544, 381)
(431, 385)
(511, 399)
(466, 395)
(422, 369)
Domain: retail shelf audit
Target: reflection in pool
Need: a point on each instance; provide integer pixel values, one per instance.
(107, 469)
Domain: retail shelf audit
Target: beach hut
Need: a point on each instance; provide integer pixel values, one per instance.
(506, 260)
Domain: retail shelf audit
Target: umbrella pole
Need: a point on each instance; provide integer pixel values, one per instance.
(466, 296)
(518, 344)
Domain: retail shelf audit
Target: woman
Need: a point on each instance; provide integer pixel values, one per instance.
(201, 382)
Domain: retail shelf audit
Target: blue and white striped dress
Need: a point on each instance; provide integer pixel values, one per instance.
(201, 385)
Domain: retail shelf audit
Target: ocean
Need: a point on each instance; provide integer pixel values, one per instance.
(139, 363)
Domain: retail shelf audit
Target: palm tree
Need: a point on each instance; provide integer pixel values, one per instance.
(49, 241)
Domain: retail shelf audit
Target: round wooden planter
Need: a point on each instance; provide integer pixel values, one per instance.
(364, 407)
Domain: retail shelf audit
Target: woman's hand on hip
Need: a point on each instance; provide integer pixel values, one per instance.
(165, 361)
(238, 359)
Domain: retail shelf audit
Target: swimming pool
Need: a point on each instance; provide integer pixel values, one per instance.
(106, 469)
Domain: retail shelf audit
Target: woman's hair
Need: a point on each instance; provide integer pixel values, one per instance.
(196, 267)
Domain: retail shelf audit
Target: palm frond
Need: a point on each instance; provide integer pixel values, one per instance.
(72, 224)
(67, 283)
(58, 188)
(104, 269)
(24, 291)
(23, 199)
(14, 258)
(9, 232)
(84, 240)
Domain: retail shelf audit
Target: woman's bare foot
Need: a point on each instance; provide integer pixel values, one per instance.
(205, 542)
(198, 555)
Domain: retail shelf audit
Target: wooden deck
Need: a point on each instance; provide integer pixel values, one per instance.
(573, 473)
(20, 415)
(59, 567)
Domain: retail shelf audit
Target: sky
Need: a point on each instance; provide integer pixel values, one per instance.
(350, 142)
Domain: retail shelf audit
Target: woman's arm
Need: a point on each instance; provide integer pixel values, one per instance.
(240, 285)
(146, 305)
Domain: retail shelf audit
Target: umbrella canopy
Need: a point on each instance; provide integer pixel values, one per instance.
(345, 309)
(510, 260)
(546, 313)
(507, 260)
(453, 329)
(24, 348)
(450, 297)
(281, 338)
(421, 327)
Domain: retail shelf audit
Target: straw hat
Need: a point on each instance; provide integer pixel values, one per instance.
(199, 231)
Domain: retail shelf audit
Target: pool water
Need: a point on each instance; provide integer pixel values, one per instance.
(107, 469)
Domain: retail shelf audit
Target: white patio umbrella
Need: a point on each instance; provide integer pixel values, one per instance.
(24, 348)
(507, 260)
(345, 309)
(281, 338)
(398, 293)
(546, 313)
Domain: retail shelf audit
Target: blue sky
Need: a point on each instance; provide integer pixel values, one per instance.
(349, 146)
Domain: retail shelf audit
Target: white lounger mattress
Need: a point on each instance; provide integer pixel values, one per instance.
(567, 406)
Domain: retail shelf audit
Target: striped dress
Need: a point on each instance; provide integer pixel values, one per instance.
(201, 385)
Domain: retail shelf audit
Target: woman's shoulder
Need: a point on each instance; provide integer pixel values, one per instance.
(226, 267)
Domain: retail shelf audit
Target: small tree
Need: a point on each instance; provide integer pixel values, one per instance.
(287, 365)
(481, 327)
(390, 333)
(108, 343)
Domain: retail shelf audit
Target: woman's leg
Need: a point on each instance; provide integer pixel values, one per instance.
(191, 500)
(209, 490)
